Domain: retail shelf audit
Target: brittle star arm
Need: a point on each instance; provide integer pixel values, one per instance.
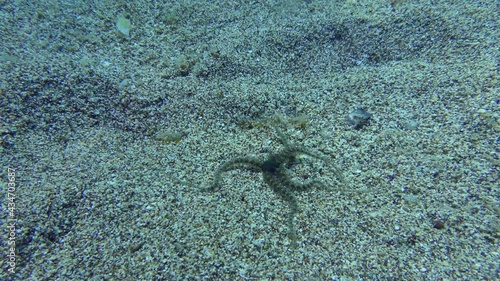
(279, 186)
(247, 163)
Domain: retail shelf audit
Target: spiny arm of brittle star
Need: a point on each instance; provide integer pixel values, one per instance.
(281, 137)
(287, 196)
(247, 163)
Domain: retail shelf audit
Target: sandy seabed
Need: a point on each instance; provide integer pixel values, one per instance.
(107, 138)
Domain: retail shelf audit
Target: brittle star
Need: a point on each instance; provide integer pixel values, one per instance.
(275, 175)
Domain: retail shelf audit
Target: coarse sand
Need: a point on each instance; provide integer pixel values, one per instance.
(107, 139)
